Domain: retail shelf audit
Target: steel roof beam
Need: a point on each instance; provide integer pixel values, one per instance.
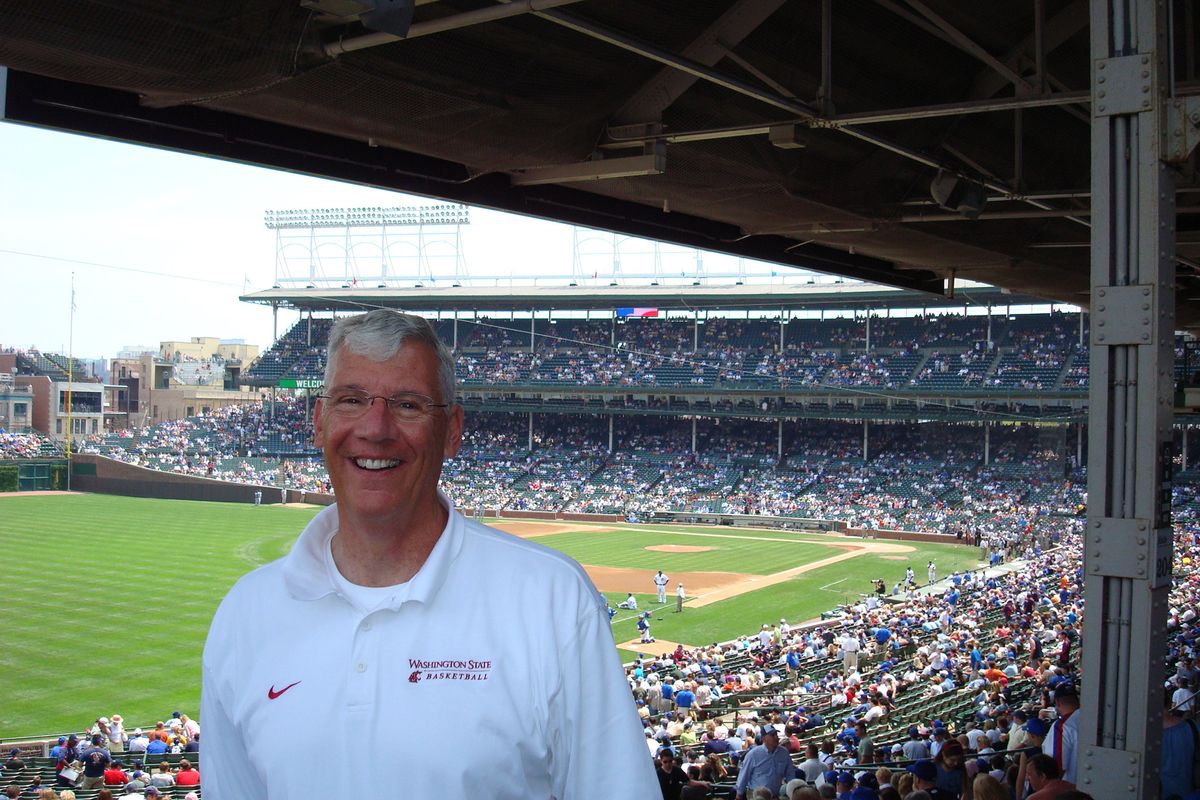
(969, 45)
(450, 23)
(660, 92)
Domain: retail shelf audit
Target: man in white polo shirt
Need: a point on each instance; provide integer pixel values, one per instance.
(381, 613)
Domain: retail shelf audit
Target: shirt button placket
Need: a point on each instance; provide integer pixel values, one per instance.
(361, 683)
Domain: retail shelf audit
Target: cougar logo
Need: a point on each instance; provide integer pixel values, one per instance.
(415, 677)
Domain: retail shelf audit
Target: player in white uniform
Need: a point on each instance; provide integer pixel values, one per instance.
(660, 581)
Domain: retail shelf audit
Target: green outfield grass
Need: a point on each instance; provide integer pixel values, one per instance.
(108, 599)
(107, 602)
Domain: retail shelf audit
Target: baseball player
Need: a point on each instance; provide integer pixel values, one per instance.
(660, 581)
(644, 626)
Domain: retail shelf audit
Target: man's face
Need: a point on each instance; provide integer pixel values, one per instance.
(412, 452)
(667, 762)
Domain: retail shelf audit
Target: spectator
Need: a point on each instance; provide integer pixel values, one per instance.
(672, 779)
(163, 777)
(1046, 779)
(766, 765)
(115, 775)
(1063, 737)
(187, 774)
(67, 768)
(924, 775)
(95, 761)
(1178, 753)
(139, 741)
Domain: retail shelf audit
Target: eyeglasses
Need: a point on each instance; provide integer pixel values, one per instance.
(405, 406)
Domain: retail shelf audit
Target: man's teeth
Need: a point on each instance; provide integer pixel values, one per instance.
(376, 463)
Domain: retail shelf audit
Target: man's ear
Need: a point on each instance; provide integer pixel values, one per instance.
(318, 427)
(454, 432)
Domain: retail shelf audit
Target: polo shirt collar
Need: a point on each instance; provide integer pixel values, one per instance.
(307, 578)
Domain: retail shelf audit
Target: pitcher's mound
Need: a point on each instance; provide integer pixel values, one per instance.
(678, 548)
(658, 648)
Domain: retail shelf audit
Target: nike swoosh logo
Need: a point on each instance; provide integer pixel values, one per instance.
(272, 694)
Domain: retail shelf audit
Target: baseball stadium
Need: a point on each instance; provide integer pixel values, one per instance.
(909, 508)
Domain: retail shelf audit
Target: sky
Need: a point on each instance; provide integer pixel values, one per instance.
(161, 244)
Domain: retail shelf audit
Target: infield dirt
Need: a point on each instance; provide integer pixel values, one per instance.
(702, 588)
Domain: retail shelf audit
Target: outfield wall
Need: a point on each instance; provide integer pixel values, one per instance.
(905, 536)
(93, 473)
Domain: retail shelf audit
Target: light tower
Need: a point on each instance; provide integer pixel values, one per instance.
(369, 245)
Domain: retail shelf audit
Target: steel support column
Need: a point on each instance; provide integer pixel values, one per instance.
(1127, 542)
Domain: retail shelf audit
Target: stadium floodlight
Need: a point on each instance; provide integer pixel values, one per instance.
(366, 216)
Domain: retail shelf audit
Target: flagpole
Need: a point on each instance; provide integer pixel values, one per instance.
(70, 375)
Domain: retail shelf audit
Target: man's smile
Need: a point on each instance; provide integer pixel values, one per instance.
(376, 464)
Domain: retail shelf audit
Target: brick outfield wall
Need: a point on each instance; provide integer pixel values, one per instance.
(117, 477)
(906, 536)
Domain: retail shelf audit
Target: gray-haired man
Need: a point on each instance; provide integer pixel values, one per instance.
(382, 612)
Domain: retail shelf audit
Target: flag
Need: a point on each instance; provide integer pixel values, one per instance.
(637, 312)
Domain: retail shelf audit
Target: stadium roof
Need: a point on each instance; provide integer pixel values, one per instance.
(727, 297)
(802, 133)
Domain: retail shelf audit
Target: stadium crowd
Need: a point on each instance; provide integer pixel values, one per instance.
(887, 353)
(918, 477)
(964, 688)
(112, 760)
(27, 445)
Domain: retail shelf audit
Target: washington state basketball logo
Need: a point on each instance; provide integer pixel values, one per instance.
(449, 670)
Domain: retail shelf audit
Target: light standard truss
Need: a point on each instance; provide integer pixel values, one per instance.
(368, 245)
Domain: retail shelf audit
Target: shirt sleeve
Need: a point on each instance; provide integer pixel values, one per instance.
(592, 704)
(228, 772)
(744, 775)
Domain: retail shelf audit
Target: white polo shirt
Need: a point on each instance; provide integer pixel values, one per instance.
(496, 636)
